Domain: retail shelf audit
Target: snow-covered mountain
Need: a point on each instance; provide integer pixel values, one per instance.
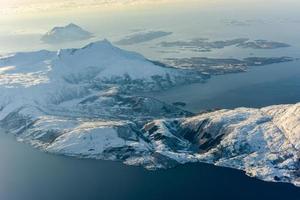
(84, 103)
(97, 75)
(68, 33)
(262, 142)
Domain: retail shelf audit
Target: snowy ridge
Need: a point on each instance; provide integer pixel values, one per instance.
(246, 139)
(287, 119)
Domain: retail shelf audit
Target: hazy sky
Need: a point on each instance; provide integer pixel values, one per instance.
(53, 4)
(21, 6)
(26, 4)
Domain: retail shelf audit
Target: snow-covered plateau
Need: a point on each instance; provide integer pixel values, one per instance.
(83, 103)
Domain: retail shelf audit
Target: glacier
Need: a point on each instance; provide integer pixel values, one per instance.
(84, 103)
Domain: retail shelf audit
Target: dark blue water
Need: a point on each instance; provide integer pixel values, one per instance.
(260, 87)
(27, 174)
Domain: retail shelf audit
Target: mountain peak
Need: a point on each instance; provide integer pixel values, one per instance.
(70, 32)
(100, 46)
(107, 58)
(100, 43)
(72, 25)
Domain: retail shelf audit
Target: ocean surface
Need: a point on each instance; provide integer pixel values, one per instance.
(259, 87)
(28, 174)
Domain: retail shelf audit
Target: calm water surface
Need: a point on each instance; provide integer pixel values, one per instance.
(261, 86)
(27, 174)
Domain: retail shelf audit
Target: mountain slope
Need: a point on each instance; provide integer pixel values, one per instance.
(262, 142)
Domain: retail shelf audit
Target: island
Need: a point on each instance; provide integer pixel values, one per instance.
(68, 33)
(206, 45)
(142, 37)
